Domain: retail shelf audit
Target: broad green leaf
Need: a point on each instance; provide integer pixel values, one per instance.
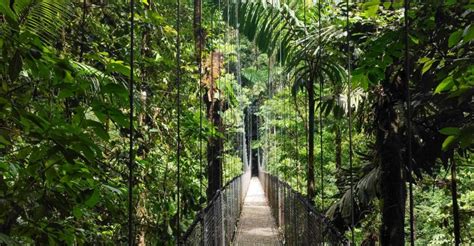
(424, 60)
(13, 169)
(99, 129)
(4, 84)
(115, 89)
(445, 85)
(450, 131)
(361, 80)
(86, 150)
(448, 142)
(4, 141)
(118, 117)
(454, 38)
(370, 8)
(468, 33)
(467, 136)
(93, 199)
(466, 141)
(77, 212)
(414, 39)
(7, 11)
(427, 66)
(65, 93)
(449, 2)
(51, 175)
(118, 67)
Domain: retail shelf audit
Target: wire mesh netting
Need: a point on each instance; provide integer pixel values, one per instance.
(298, 220)
(216, 224)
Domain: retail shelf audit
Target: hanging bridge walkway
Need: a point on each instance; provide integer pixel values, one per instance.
(260, 211)
(256, 224)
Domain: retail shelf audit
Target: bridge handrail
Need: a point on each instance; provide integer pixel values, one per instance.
(299, 221)
(216, 224)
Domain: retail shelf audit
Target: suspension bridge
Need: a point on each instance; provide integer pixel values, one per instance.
(255, 208)
(260, 210)
(151, 122)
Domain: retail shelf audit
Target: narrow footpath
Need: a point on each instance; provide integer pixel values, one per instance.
(257, 225)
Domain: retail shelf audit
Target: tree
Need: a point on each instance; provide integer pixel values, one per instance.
(381, 68)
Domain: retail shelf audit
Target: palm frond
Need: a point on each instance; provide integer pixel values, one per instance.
(95, 76)
(44, 18)
(365, 191)
(273, 27)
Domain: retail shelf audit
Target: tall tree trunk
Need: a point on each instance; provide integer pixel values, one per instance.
(215, 145)
(254, 137)
(389, 147)
(198, 31)
(250, 137)
(214, 149)
(311, 108)
(454, 194)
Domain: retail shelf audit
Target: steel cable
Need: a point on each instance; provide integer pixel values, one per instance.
(349, 103)
(131, 237)
(178, 106)
(408, 120)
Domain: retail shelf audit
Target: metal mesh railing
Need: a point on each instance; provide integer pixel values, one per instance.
(216, 224)
(298, 220)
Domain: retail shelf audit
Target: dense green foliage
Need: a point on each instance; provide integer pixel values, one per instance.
(64, 104)
(439, 55)
(64, 122)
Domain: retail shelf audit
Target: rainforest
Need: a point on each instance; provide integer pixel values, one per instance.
(236, 122)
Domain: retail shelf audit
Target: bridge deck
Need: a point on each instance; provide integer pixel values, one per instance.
(257, 225)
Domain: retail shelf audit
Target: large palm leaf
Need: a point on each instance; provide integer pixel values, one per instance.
(276, 29)
(366, 189)
(44, 18)
(273, 28)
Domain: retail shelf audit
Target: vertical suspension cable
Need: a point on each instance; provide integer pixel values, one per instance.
(321, 151)
(320, 111)
(225, 81)
(297, 151)
(131, 156)
(200, 39)
(349, 103)
(270, 96)
(408, 120)
(218, 86)
(307, 114)
(306, 123)
(268, 123)
(178, 106)
(239, 80)
(282, 85)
